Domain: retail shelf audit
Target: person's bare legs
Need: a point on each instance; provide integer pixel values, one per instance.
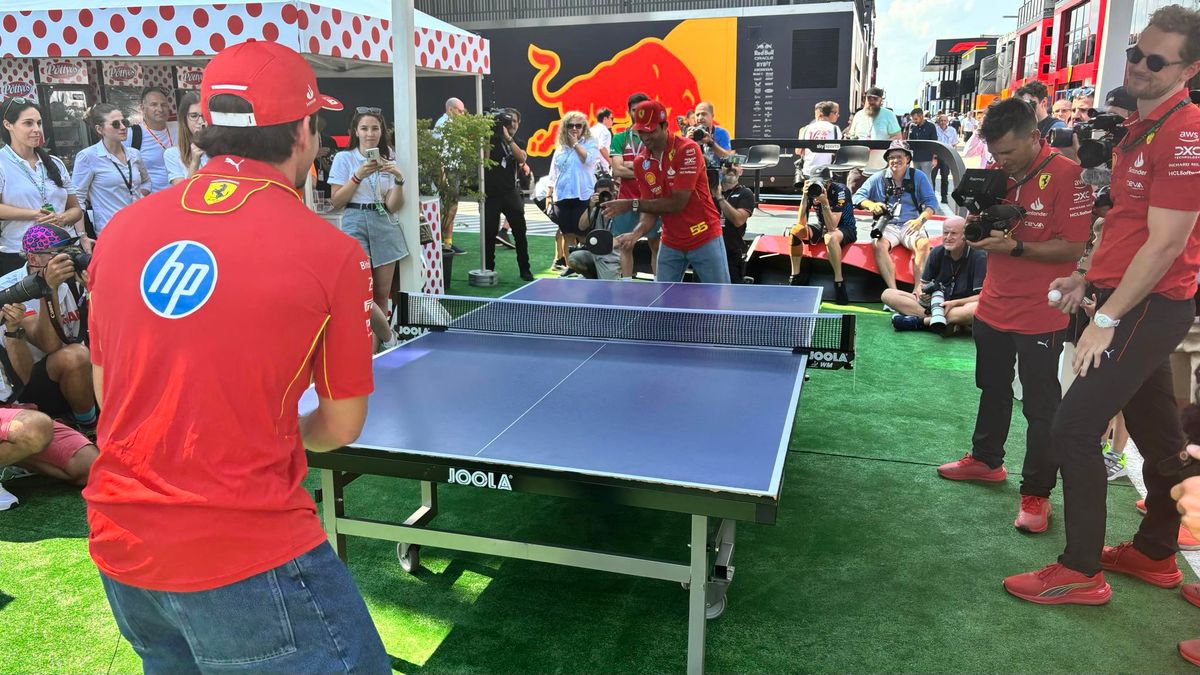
(833, 245)
(903, 302)
(560, 247)
(71, 368)
(626, 262)
(381, 285)
(76, 471)
(963, 315)
(920, 253)
(28, 434)
(883, 260)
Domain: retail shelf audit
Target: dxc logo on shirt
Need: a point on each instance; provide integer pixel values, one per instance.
(178, 279)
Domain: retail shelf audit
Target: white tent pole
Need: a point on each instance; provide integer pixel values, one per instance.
(404, 74)
(484, 152)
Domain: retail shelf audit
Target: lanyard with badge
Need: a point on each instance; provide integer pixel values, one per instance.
(39, 184)
(128, 180)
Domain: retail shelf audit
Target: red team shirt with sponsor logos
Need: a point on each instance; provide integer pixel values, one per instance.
(1058, 205)
(215, 304)
(1164, 172)
(680, 167)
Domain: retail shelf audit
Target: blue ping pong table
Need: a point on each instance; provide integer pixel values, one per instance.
(673, 448)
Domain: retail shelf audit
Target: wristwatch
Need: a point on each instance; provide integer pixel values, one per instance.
(1105, 321)
(18, 334)
(1018, 250)
(636, 204)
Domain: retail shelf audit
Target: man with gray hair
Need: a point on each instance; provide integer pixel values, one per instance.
(454, 107)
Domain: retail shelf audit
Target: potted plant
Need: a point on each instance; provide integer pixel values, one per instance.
(448, 162)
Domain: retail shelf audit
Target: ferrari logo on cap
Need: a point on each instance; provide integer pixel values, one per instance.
(219, 190)
(309, 94)
(1044, 180)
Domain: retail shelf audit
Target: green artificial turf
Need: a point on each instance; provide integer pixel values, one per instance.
(875, 564)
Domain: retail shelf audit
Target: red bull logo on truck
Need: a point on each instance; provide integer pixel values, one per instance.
(648, 66)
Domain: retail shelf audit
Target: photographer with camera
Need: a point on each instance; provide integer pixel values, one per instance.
(670, 173)
(901, 199)
(592, 265)
(1138, 295)
(834, 226)
(501, 185)
(1031, 213)
(713, 139)
(735, 202)
(957, 272)
(55, 324)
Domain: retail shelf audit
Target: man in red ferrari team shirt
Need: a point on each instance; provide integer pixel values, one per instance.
(215, 304)
(1013, 324)
(673, 184)
(1140, 287)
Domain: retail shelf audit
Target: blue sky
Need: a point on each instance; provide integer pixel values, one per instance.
(907, 29)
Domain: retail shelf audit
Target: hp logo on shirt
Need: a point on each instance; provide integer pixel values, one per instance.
(178, 279)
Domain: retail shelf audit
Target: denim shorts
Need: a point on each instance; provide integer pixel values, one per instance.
(377, 234)
(627, 222)
(305, 616)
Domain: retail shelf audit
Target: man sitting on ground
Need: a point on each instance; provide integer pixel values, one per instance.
(958, 270)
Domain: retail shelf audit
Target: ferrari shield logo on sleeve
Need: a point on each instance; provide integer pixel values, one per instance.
(219, 190)
(1044, 180)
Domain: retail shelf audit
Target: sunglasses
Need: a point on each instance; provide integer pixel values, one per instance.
(1154, 62)
(362, 110)
(19, 100)
(119, 124)
(575, 125)
(194, 116)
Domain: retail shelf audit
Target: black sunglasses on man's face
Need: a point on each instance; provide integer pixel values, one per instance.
(1154, 62)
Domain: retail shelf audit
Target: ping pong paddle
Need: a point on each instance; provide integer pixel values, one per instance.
(599, 242)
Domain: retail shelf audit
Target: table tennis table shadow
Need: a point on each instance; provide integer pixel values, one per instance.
(666, 358)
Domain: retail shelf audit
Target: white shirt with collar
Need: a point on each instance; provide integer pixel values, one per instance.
(574, 179)
(154, 147)
(175, 167)
(108, 184)
(373, 189)
(24, 187)
(949, 135)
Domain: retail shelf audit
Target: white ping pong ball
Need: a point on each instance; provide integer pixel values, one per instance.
(1054, 295)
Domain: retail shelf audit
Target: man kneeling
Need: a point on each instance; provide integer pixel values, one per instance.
(593, 265)
(958, 270)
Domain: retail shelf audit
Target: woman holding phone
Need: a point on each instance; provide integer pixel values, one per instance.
(366, 182)
(35, 188)
(184, 158)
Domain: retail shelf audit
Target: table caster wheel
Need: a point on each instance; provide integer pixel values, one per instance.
(410, 557)
(715, 610)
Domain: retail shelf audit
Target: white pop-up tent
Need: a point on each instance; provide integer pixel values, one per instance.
(339, 37)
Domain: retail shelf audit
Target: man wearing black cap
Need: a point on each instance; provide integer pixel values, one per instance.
(214, 304)
(1119, 101)
(874, 122)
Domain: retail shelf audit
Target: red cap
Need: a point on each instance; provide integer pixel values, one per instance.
(277, 82)
(648, 115)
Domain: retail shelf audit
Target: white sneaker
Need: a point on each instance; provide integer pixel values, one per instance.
(7, 499)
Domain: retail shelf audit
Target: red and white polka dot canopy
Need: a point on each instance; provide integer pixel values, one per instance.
(166, 28)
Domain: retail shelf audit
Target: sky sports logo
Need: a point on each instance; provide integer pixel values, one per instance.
(178, 279)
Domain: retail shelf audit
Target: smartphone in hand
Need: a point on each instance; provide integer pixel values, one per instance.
(371, 154)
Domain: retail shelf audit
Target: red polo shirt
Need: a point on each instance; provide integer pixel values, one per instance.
(215, 304)
(1058, 205)
(680, 167)
(1162, 171)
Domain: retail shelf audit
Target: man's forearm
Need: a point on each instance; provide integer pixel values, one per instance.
(1053, 251)
(661, 206)
(1148, 266)
(645, 223)
(619, 170)
(519, 153)
(719, 151)
(737, 217)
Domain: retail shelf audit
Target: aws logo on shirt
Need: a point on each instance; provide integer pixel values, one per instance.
(178, 279)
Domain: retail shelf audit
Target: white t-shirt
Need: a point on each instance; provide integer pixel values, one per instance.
(154, 147)
(949, 135)
(372, 190)
(603, 136)
(26, 188)
(175, 168)
(108, 184)
(68, 308)
(968, 123)
(574, 179)
(818, 130)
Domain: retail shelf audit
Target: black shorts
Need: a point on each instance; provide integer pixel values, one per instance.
(817, 235)
(567, 215)
(44, 392)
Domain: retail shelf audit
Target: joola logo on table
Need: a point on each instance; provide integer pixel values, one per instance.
(485, 479)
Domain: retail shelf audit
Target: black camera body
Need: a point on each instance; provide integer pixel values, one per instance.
(502, 117)
(1097, 137)
(880, 221)
(697, 133)
(982, 192)
(605, 185)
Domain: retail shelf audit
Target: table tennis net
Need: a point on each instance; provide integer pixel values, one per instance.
(807, 332)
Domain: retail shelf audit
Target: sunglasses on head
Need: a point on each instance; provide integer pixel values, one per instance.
(362, 110)
(119, 124)
(574, 125)
(1154, 62)
(19, 100)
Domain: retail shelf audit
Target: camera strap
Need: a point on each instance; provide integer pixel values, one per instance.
(56, 313)
(1036, 170)
(10, 375)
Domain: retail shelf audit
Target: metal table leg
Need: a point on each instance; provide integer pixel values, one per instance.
(333, 506)
(410, 554)
(698, 595)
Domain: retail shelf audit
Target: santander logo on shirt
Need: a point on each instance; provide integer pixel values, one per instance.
(178, 279)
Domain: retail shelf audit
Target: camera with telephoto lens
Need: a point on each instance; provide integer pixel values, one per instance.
(29, 288)
(1097, 137)
(937, 298)
(815, 189)
(982, 192)
(880, 221)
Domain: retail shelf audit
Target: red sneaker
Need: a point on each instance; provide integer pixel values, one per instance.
(1140, 505)
(1191, 593)
(1190, 651)
(969, 468)
(1058, 585)
(1126, 559)
(1186, 541)
(1034, 514)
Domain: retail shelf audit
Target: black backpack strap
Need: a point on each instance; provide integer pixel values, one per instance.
(135, 139)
